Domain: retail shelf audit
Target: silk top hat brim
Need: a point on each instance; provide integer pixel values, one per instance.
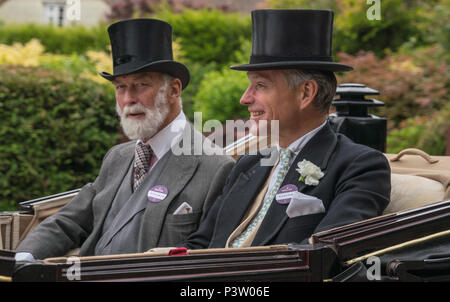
(140, 45)
(288, 39)
(172, 68)
(312, 65)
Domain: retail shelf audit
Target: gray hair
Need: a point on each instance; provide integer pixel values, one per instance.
(326, 80)
(166, 78)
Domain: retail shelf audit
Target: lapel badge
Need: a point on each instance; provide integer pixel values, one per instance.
(157, 193)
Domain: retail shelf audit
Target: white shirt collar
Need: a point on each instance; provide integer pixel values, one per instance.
(298, 144)
(162, 141)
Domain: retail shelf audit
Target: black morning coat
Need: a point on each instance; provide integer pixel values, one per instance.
(356, 186)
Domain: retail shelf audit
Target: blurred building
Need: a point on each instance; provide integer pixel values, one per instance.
(91, 12)
(57, 12)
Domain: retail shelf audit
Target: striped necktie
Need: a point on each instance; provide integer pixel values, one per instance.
(285, 156)
(143, 154)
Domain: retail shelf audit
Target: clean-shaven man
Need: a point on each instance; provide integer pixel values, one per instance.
(322, 179)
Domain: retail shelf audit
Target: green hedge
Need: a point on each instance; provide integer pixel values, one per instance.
(417, 23)
(219, 94)
(355, 32)
(426, 133)
(205, 35)
(55, 128)
(197, 72)
(58, 40)
(208, 35)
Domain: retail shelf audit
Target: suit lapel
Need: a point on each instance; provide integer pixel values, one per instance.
(318, 151)
(121, 165)
(176, 174)
(243, 192)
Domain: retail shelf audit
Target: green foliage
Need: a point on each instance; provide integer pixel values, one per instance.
(415, 22)
(302, 4)
(58, 40)
(219, 94)
(411, 83)
(208, 35)
(55, 129)
(407, 137)
(197, 72)
(431, 24)
(210, 40)
(356, 32)
(425, 133)
(220, 91)
(73, 63)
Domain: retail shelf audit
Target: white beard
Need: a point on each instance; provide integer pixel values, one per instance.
(153, 120)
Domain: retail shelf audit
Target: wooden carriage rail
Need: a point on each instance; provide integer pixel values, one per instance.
(271, 263)
(375, 234)
(165, 251)
(274, 263)
(362, 225)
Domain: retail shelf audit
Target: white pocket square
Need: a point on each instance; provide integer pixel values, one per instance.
(184, 208)
(302, 204)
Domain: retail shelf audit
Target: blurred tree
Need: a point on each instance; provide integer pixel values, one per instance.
(414, 83)
(398, 24)
(427, 133)
(125, 9)
(219, 92)
(55, 128)
(416, 22)
(302, 4)
(207, 36)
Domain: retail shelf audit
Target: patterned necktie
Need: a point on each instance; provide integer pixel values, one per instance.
(285, 156)
(142, 157)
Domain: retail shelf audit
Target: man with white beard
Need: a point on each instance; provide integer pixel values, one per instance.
(145, 196)
(141, 121)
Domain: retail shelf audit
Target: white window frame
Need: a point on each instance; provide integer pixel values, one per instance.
(54, 12)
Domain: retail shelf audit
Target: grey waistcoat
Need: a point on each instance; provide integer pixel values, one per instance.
(123, 223)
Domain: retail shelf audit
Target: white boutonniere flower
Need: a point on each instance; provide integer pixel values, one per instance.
(309, 173)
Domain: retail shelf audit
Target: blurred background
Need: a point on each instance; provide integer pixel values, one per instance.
(57, 115)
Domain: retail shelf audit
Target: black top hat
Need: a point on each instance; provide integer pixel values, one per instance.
(286, 39)
(144, 45)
